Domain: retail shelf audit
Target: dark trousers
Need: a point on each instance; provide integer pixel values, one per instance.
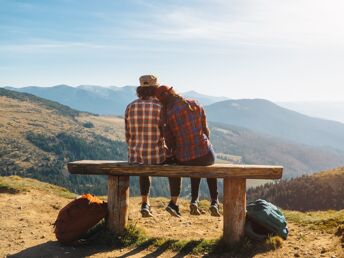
(174, 182)
(206, 160)
(145, 182)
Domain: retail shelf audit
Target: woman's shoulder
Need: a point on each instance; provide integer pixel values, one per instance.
(193, 102)
(183, 105)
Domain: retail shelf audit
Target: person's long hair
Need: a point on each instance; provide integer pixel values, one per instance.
(173, 97)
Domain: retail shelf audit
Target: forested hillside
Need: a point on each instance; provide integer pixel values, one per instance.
(320, 191)
(38, 137)
(255, 148)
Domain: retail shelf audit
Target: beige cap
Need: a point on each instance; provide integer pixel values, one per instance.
(148, 80)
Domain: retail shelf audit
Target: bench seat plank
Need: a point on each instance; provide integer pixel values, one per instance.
(122, 168)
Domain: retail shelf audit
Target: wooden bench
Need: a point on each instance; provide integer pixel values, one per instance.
(234, 189)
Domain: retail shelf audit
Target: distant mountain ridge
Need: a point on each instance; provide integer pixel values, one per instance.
(101, 100)
(110, 100)
(202, 98)
(268, 118)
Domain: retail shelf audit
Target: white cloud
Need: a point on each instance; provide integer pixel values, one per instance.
(292, 23)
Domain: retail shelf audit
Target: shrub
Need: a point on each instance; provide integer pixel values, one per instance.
(88, 125)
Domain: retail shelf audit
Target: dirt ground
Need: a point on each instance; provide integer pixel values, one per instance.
(26, 231)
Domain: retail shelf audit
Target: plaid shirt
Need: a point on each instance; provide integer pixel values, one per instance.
(143, 132)
(186, 132)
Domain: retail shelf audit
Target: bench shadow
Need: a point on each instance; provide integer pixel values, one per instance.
(161, 249)
(187, 249)
(138, 249)
(55, 249)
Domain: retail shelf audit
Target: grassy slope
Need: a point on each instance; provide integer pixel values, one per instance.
(16, 184)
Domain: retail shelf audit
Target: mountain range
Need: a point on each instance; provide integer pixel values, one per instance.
(100, 100)
(258, 115)
(202, 98)
(95, 99)
(268, 118)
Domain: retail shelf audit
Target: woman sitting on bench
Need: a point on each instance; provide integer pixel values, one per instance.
(187, 136)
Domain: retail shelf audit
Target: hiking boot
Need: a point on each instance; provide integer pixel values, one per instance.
(214, 209)
(195, 210)
(173, 209)
(146, 210)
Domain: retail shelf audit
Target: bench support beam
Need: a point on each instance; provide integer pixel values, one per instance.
(234, 210)
(118, 203)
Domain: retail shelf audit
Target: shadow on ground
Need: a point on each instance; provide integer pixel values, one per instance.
(55, 249)
(147, 249)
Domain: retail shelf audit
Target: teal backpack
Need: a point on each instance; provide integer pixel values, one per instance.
(264, 219)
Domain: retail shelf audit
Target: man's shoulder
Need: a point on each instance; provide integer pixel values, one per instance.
(155, 103)
(133, 102)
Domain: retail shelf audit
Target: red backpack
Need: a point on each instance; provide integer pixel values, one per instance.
(77, 217)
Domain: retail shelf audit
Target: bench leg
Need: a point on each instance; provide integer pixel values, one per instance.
(234, 210)
(118, 203)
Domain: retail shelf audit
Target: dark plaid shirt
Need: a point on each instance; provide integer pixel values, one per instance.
(143, 130)
(186, 132)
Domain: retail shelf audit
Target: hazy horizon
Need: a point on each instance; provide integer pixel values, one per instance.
(329, 110)
(289, 101)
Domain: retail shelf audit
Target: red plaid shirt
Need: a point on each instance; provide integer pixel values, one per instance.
(143, 131)
(186, 132)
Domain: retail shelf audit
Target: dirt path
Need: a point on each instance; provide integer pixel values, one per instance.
(26, 231)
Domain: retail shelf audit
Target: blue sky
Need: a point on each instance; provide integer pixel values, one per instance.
(273, 49)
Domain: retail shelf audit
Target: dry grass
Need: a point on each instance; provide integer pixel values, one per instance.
(16, 184)
(326, 221)
(34, 208)
(273, 243)
(107, 126)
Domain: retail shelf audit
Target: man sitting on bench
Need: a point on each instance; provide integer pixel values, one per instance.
(144, 123)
